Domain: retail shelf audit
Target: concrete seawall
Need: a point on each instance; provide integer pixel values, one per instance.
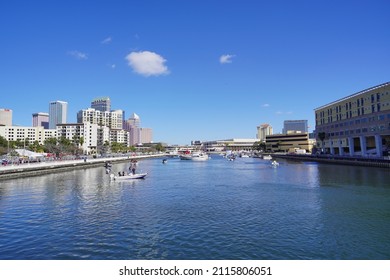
(42, 168)
(369, 162)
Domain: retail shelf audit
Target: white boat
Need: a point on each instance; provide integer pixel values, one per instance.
(199, 156)
(275, 163)
(267, 157)
(244, 156)
(128, 177)
(195, 156)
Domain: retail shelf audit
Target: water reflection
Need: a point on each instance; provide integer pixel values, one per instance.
(211, 210)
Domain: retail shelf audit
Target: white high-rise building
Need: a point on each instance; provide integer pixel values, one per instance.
(113, 119)
(86, 134)
(58, 111)
(264, 130)
(6, 117)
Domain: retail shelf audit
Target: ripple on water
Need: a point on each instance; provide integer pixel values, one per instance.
(212, 210)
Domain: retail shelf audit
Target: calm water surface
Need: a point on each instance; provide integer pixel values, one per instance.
(200, 210)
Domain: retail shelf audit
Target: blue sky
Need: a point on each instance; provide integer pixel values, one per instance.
(192, 70)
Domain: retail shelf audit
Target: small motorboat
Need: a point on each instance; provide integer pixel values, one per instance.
(128, 177)
(274, 163)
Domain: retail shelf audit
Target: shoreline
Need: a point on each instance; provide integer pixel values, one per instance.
(42, 168)
(352, 161)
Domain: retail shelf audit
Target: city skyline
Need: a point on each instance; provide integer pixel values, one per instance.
(193, 71)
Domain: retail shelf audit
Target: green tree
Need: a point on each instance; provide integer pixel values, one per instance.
(322, 136)
(159, 147)
(36, 147)
(118, 147)
(50, 146)
(3, 142)
(259, 146)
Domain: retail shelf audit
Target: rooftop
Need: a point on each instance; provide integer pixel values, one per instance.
(353, 95)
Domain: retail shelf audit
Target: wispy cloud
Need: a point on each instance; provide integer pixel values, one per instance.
(78, 55)
(266, 105)
(283, 113)
(147, 63)
(226, 58)
(106, 41)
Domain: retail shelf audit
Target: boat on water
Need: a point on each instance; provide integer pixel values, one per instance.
(200, 156)
(130, 176)
(274, 163)
(267, 157)
(195, 156)
(231, 157)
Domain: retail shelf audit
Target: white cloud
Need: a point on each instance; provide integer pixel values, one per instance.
(147, 63)
(265, 105)
(284, 113)
(226, 58)
(78, 55)
(106, 41)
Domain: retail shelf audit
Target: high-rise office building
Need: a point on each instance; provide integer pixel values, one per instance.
(6, 117)
(146, 135)
(102, 104)
(133, 126)
(294, 126)
(57, 113)
(264, 130)
(40, 119)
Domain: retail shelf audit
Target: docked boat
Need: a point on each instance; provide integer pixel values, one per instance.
(128, 177)
(267, 157)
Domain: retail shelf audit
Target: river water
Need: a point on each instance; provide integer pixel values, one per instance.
(199, 210)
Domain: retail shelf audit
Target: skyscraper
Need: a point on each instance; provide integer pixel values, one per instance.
(6, 117)
(263, 131)
(295, 125)
(101, 104)
(40, 119)
(58, 111)
(133, 126)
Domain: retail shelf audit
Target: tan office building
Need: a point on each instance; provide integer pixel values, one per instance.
(357, 125)
(6, 117)
(289, 142)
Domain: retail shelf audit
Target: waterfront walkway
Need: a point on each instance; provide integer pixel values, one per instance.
(356, 161)
(39, 168)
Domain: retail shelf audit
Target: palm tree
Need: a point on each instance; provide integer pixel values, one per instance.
(322, 136)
